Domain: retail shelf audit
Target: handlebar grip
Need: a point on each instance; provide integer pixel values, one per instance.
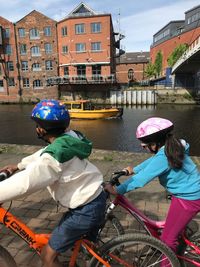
(3, 176)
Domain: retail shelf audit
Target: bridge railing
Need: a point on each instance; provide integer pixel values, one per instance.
(192, 49)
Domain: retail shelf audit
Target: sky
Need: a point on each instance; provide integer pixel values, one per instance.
(138, 20)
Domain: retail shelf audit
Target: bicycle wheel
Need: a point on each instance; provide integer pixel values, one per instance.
(136, 250)
(6, 260)
(111, 229)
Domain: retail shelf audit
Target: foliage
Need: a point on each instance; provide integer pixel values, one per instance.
(150, 70)
(176, 54)
(158, 63)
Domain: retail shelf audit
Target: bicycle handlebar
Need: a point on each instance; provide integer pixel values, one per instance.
(114, 180)
(3, 176)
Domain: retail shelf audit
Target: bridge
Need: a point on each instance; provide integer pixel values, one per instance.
(187, 69)
(189, 62)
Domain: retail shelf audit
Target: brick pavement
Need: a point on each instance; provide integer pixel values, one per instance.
(40, 213)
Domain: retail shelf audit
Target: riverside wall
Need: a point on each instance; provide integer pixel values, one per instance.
(39, 211)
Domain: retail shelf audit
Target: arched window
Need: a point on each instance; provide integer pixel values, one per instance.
(35, 51)
(130, 74)
(36, 67)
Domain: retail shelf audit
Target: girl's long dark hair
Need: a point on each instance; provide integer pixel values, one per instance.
(174, 151)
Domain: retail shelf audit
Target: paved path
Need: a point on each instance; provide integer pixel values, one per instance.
(40, 213)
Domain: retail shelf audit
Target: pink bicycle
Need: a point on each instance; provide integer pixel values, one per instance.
(189, 243)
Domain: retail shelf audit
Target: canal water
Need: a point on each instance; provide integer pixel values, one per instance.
(110, 134)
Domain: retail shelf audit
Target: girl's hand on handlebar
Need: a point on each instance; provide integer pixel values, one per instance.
(129, 170)
(10, 169)
(109, 188)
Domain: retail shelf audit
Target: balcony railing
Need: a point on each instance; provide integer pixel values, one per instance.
(94, 79)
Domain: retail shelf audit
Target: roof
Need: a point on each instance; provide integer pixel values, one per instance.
(33, 12)
(195, 7)
(171, 22)
(134, 57)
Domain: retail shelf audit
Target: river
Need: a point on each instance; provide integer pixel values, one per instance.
(112, 134)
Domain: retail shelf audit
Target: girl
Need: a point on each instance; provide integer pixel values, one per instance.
(176, 171)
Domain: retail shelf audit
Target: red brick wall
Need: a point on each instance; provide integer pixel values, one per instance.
(7, 91)
(122, 72)
(88, 57)
(168, 46)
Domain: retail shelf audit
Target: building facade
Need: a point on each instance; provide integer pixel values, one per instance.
(86, 48)
(176, 33)
(130, 67)
(9, 82)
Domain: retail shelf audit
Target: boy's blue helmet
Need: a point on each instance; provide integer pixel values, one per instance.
(51, 115)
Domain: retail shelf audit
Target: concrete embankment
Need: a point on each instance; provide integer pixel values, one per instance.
(40, 212)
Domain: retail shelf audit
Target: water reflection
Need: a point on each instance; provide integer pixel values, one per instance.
(113, 134)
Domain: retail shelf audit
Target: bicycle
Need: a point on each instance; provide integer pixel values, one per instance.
(189, 243)
(126, 250)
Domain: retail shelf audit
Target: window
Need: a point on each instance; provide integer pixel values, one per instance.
(37, 84)
(21, 32)
(80, 47)
(35, 51)
(80, 28)
(65, 49)
(8, 49)
(10, 66)
(49, 65)
(1, 86)
(96, 46)
(64, 31)
(26, 82)
(7, 33)
(81, 70)
(48, 48)
(66, 71)
(47, 31)
(23, 49)
(34, 34)
(36, 67)
(24, 65)
(11, 81)
(96, 70)
(95, 27)
(130, 74)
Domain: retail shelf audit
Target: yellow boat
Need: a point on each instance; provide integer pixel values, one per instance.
(84, 109)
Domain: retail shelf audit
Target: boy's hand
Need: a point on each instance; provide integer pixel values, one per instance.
(10, 169)
(109, 188)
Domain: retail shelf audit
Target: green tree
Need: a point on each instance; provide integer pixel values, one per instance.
(176, 54)
(158, 63)
(150, 70)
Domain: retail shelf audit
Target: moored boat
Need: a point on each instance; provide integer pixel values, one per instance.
(84, 109)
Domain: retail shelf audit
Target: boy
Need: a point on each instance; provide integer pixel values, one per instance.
(71, 179)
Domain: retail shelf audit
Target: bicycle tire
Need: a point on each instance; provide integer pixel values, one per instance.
(111, 229)
(137, 250)
(6, 260)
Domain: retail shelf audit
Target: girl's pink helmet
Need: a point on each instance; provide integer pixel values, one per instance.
(153, 128)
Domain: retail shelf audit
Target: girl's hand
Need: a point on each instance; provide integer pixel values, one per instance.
(129, 170)
(10, 169)
(109, 188)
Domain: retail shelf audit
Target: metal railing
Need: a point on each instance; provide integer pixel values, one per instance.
(94, 79)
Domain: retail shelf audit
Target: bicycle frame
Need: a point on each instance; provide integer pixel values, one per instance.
(152, 227)
(38, 241)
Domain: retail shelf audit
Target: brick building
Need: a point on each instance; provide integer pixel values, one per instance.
(9, 83)
(176, 33)
(86, 48)
(130, 67)
(28, 56)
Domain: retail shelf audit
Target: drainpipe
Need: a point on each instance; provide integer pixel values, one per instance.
(18, 65)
